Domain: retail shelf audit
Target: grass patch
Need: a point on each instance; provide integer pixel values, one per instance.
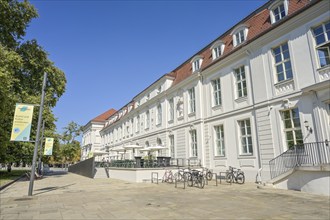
(6, 177)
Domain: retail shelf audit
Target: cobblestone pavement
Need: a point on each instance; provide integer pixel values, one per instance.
(70, 196)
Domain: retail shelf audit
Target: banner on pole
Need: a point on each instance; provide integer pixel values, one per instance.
(22, 122)
(48, 146)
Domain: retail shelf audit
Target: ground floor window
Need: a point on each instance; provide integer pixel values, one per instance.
(245, 137)
(292, 128)
(193, 136)
(172, 146)
(219, 141)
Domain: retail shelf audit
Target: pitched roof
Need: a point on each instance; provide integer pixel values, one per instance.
(104, 116)
(258, 23)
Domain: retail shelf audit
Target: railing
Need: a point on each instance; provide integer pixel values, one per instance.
(308, 154)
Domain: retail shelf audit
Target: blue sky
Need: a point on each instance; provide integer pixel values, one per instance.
(112, 50)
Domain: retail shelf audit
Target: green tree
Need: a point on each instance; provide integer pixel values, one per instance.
(70, 149)
(22, 66)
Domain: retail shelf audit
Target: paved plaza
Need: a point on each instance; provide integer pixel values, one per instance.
(70, 196)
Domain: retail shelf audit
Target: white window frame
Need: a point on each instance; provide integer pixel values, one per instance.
(172, 147)
(219, 149)
(137, 127)
(276, 6)
(245, 137)
(217, 49)
(159, 114)
(282, 63)
(295, 130)
(196, 63)
(193, 143)
(238, 33)
(147, 119)
(322, 45)
(192, 100)
(171, 109)
(216, 91)
(240, 81)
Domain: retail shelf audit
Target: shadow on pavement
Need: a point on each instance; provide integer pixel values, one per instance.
(49, 189)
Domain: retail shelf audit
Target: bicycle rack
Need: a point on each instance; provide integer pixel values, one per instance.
(153, 175)
(176, 183)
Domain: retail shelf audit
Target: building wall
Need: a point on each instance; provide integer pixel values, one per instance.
(265, 101)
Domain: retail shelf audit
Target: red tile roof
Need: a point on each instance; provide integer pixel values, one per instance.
(104, 116)
(258, 23)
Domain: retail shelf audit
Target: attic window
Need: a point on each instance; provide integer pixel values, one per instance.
(196, 63)
(278, 10)
(217, 49)
(239, 34)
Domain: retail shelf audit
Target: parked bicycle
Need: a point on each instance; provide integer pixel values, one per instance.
(196, 179)
(236, 175)
(207, 173)
(182, 175)
(168, 177)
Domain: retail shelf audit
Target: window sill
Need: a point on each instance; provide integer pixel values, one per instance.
(220, 157)
(324, 72)
(217, 107)
(241, 99)
(284, 86)
(246, 156)
(180, 118)
(191, 114)
(170, 121)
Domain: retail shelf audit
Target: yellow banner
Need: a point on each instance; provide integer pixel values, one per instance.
(22, 122)
(49, 146)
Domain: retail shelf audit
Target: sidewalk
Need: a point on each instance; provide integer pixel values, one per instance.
(70, 196)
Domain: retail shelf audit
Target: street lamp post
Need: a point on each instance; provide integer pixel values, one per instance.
(37, 136)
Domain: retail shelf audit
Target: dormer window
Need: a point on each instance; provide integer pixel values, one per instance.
(217, 49)
(159, 90)
(196, 63)
(148, 97)
(278, 10)
(239, 34)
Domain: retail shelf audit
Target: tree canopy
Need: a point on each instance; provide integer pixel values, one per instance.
(22, 66)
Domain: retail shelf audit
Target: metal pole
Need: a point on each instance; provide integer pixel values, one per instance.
(40, 148)
(37, 137)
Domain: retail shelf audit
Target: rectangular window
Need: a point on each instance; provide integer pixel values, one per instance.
(159, 114)
(282, 62)
(240, 38)
(196, 65)
(245, 137)
(147, 119)
(216, 92)
(322, 39)
(292, 129)
(240, 82)
(193, 143)
(171, 109)
(216, 52)
(137, 125)
(279, 12)
(192, 100)
(172, 146)
(219, 140)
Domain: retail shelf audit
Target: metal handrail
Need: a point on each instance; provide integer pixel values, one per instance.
(307, 154)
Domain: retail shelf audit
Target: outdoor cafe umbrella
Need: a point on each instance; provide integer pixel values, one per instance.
(119, 150)
(132, 147)
(157, 148)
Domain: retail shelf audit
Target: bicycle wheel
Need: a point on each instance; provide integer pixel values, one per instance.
(170, 178)
(201, 182)
(209, 176)
(229, 178)
(240, 179)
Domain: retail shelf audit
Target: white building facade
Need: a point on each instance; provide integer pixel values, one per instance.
(256, 91)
